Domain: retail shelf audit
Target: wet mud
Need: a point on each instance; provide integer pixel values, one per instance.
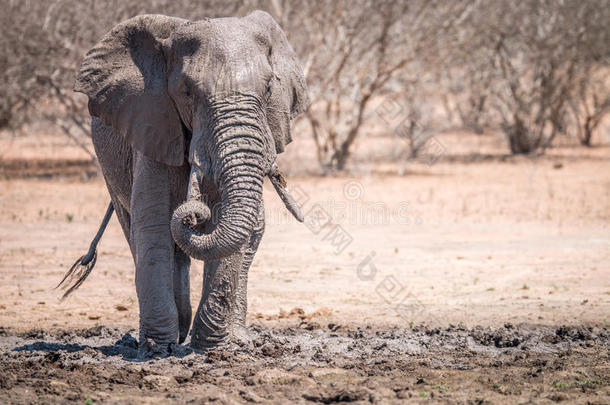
(309, 362)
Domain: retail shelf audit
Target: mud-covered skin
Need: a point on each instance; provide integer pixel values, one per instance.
(161, 188)
(175, 100)
(117, 158)
(313, 362)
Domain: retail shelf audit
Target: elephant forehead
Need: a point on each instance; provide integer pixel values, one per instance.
(223, 39)
(222, 66)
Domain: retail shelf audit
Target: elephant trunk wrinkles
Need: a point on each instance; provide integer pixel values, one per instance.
(238, 166)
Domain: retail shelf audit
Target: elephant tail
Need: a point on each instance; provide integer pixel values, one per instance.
(83, 266)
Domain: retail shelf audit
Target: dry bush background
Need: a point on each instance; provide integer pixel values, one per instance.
(530, 71)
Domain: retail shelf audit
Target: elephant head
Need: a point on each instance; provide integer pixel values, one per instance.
(219, 93)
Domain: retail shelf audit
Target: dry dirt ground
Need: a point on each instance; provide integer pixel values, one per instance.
(481, 278)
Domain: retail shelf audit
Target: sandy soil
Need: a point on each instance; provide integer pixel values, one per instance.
(486, 277)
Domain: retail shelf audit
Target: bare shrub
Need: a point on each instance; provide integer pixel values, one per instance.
(590, 102)
(354, 51)
(533, 57)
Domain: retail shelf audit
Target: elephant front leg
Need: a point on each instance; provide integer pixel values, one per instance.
(154, 254)
(221, 316)
(214, 321)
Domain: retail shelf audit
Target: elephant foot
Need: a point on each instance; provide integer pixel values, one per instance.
(238, 338)
(204, 343)
(149, 349)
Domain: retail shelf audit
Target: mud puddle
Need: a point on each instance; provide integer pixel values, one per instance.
(310, 363)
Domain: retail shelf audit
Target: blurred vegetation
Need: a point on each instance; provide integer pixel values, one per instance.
(534, 69)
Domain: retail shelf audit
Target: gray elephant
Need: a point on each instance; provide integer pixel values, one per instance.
(187, 120)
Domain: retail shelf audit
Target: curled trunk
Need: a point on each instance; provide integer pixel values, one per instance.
(239, 171)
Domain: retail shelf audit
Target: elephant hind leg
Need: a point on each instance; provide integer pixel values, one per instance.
(182, 264)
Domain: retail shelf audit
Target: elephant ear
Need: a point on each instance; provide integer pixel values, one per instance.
(125, 78)
(289, 96)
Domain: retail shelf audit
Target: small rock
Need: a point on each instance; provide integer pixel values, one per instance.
(250, 396)
(160, 381)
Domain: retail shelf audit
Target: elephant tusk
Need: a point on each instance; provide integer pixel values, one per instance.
(194, 188)
(279, 183)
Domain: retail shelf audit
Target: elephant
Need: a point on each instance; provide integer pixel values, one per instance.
(187, 119)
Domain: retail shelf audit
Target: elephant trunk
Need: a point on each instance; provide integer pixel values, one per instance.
(239, 170)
